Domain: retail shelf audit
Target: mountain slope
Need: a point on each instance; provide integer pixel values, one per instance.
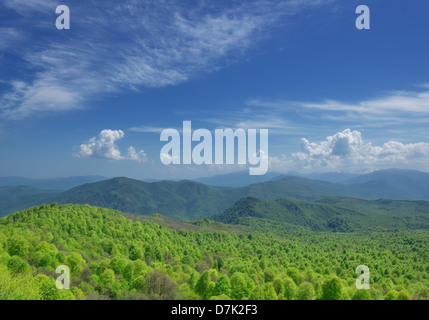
(336, 214)
(237, 179)
(186, 200)
(180, 200)
(310, 190)
(402, 214)
(13, 199)
(337, 177)
(115, 256)
(395, 183)
(317, 217)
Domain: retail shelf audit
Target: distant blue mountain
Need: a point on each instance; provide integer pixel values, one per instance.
(338, 177)
(237, 179)
(186, 200)
(49, 184)
(395, 183)
(242, 178)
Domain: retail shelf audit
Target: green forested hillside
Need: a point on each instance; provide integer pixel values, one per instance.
(317, 217)
(16, 198)
(179, 200)
(115, 256)
(380, 206)
(330, 214)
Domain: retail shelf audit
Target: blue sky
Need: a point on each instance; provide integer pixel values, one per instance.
(334, 98)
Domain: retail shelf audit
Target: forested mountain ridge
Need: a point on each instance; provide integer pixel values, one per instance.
(114, 257)
(316, 217)
(186, 200)
(336, 214)
(17, 198)
(180, 200)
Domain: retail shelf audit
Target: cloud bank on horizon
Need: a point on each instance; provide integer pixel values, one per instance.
(347, 151)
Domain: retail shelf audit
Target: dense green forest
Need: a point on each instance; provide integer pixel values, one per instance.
(120, 256)
(335, 214)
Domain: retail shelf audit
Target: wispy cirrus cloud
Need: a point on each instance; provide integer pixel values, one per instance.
(396, 102)
(413, 102)
(130, 45)
(251, 116)
(392, 108)
(25, 7)
(146, 129)
(9, 36)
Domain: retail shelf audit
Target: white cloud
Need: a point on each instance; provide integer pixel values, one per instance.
(104, 147)
(168, 158)
(42, 95)
(273, 105)
(9, 36)
(347, 150)
(25, 7)
(252, 117)
(136, 156)
(395, 102)
(128, 45)
(147, 129)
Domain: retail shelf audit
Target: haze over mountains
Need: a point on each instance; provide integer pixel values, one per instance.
(398, 184)
(238, 179)
(50, 184)
(186, 200)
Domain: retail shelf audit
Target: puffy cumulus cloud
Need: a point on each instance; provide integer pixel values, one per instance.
(347, 150)
(136, 156)
(104, 147)
(167, 158)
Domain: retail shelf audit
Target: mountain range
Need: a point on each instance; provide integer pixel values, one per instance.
(333, 214)
(186, 200)
(49, 184)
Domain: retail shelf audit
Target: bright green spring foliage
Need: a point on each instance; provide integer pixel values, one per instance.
(116, 256)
